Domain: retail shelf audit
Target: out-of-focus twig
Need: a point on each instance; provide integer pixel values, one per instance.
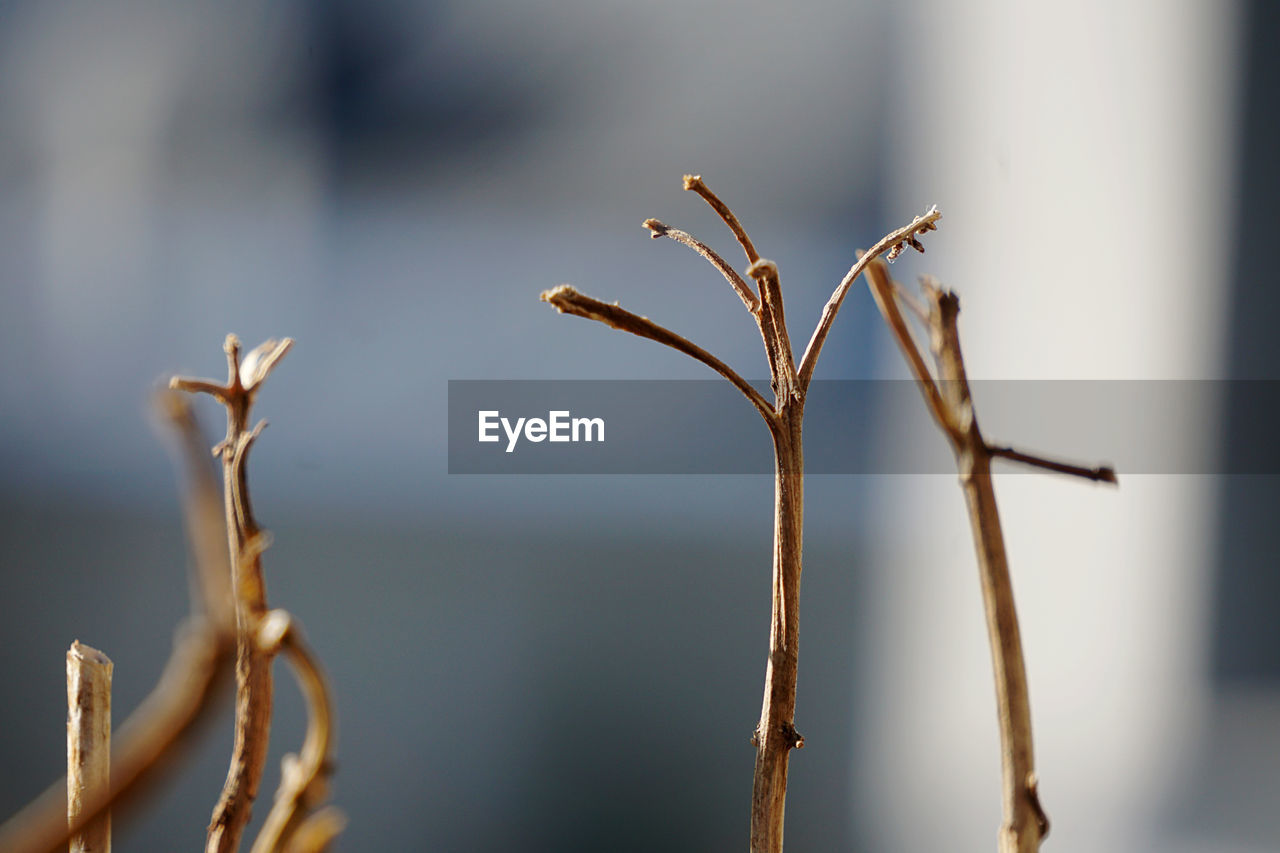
(156, 732)
(949, 401)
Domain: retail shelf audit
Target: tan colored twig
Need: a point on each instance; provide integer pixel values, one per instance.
(183, 698)
(736, 281)
(246, 542)
(948, 398)
(775, 734)
(304, 778)
(569, 301)
(891, 244)
(88, 743)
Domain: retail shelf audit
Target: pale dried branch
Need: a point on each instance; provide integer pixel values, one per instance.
(153, 734)
(304, 777)
(740, 287)
(246, 543)
(891, 242)
(156, 733)
(569, 301)
(88, 743)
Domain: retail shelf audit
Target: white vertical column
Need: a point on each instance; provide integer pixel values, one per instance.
(1080, 153)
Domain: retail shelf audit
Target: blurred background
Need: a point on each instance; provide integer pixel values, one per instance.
(575, 663)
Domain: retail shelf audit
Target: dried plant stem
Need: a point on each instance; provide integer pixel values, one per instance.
(949, 400)
(246, 542)
(156, 731)
(183, 697)
(304, 778)
(88, 743)
(775, 734)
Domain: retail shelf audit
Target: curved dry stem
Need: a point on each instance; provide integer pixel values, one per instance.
(894, 240)
(569, 301)
(304, 777)
(740, 287)
(695, 184)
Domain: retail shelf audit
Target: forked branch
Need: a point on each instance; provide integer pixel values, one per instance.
(949, 401)
(261, 635)
(775, 734)
(246, 542)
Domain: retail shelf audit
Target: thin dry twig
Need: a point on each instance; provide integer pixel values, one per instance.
(775, 735)
(948, 397)
(1098, 473)
(694, 183)
(892, 243)
(246, 542)
(740, 287)
(183, 698)
(569, 301)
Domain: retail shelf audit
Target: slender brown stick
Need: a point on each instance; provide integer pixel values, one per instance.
(739, 286)
(950, 402)
(569, 301)
(88, 743)
(1025, 824)
(694, 183)
(775, 734)
(246, 542)
(1098, 473)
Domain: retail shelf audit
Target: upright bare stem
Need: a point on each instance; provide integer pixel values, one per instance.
(775, 734)
(247, 542)
(949, 400)
(88, 743)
